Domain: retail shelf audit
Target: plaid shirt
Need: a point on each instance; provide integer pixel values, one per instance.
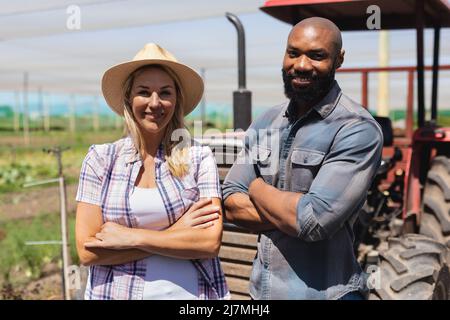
(109, 172)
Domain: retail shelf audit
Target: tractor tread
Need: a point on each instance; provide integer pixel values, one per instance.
(398, 266)
(435, 219)
(443, 161)
(382, 294)
(438, 206)
(409, 267)
(439, 180)
(430, 227)
(411, 253)
(404, 243)
(404, 281)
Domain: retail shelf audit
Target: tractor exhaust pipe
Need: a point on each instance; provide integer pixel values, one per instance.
(242, 98)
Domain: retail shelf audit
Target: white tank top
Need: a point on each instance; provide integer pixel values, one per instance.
(166, 278)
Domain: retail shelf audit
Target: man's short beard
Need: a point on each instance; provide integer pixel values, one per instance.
(317, 90)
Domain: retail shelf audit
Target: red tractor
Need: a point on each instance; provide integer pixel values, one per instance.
(404, 228)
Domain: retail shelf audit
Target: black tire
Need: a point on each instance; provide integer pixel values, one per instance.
(442, 289)
(409, 268)
(435, 219)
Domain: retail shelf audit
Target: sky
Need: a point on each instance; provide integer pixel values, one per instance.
(64, 63)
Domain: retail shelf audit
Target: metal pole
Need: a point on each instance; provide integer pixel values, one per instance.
(72, 123)
(365, 89)
(64, 238)
(242, 98)
(41, 107)
(410, 106)
(65, 242)
(46, 114)
(26, 130)
(241, 48)
(420, 64)
(434, 89)
(383, 77)
(17, 112)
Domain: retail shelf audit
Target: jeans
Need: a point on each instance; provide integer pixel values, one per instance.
(354, 295)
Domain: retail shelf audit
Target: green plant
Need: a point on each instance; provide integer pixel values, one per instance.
(14, 175)
(20, 262)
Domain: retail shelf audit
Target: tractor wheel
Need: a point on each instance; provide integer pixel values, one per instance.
(442, 289)
(409, 270)
(435, 220)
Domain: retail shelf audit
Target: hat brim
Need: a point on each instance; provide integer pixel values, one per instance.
(115, 77)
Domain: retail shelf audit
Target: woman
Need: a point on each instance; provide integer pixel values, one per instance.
(149, 220)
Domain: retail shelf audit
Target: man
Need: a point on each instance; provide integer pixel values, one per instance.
(304, 188)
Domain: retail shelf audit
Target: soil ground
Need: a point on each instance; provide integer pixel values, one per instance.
(31, 202)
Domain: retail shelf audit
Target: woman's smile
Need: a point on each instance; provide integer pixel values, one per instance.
(153, 99)
(154, 115)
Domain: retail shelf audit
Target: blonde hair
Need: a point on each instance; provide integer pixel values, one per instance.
(177, 157)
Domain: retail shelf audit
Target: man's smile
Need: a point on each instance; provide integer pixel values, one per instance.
(301, 81)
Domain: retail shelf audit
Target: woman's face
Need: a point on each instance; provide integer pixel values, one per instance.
(153, 99)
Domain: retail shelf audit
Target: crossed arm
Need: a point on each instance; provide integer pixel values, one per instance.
(281, 213)
(258, 212)
(196, 235)
(337, 192)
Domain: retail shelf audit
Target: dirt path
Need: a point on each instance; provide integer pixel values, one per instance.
(29, 203)
(47, 288)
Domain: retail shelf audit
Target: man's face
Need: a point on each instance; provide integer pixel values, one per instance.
(309, 63)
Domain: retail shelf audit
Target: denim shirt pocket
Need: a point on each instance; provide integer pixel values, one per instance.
(304, 167)
(262, 157)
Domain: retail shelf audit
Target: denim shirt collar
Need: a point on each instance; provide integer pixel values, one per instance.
(329, 102)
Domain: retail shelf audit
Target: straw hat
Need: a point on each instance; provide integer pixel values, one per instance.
(152, 54)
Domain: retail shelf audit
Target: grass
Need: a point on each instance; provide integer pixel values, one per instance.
(21, 263)
(58, 123)
(20, 164)
(33, 165)
(444, 121)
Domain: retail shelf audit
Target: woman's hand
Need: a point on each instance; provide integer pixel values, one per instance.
(113, 236)
(201, 214)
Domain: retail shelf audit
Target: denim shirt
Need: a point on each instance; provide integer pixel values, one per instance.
(330, 155)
